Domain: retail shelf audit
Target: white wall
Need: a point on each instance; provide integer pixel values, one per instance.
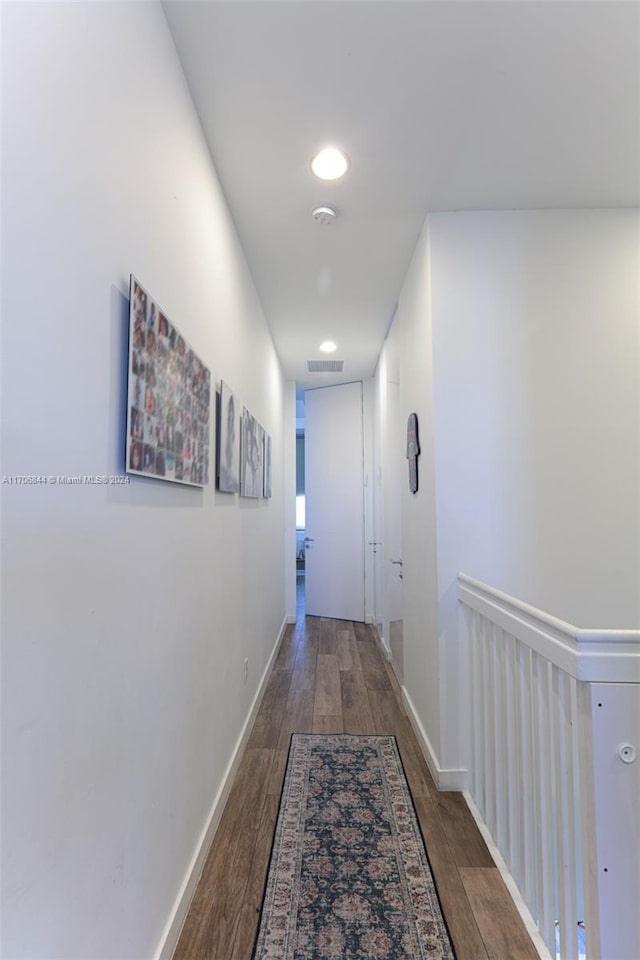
(421, 653)
(536, 375)
(391, 471)
(535, 357)
(128, 610)
(522, 330)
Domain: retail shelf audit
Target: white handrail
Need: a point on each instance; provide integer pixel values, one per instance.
(599, 656)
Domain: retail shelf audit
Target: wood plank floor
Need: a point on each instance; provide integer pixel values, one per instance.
(329, 677)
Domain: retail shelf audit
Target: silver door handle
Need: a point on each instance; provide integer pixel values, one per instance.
(309, 540)
(398, 562)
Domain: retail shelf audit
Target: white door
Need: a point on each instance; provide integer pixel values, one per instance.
(334, 502)
(376, 546)
(396, 474)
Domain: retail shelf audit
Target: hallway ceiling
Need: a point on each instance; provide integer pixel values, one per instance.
(440, 106)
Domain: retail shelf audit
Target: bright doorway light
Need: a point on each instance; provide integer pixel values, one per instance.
(330, 164)
(328, 346)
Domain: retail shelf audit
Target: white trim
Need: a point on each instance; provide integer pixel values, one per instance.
(601, 656)
(445, 778)
(171, 934)
(510, 883)
(384, 646)
(292, 618)
(385, 649)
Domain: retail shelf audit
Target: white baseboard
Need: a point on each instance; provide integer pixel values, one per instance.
(171, 934)
(510, 883)
(291, 618)
(384, 646)
(445, 778)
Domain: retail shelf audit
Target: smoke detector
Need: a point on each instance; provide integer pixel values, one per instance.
(324, 215)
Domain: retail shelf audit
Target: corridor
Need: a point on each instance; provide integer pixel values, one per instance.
(329, 677)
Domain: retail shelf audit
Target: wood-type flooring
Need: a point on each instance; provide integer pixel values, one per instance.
(330, 677)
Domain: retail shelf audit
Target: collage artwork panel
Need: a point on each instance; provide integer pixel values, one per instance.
(169, 401)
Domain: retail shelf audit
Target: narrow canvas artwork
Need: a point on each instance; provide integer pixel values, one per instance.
(251, 454)
(229, 442)
(267, 466)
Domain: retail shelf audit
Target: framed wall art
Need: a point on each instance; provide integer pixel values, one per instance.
(169, 398)
(266, 485)
(251, 456)
(228, 441)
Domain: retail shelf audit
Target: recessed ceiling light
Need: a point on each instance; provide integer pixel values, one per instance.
(328, 346)
(330, 164)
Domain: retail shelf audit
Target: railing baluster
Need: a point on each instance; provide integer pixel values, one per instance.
(544, 801)
(537, 739)
(565, 819)
(513, 740)
(489, 745)
(500, 721)
(578, 870)
(526, 771)
(470, 619)
(478, 692)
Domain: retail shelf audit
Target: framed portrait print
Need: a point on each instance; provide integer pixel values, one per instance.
(228, 441)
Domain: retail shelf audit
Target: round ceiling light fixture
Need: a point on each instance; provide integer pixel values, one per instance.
(328, 346)
(330, 164)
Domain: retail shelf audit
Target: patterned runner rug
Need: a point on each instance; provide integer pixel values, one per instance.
(349, 876)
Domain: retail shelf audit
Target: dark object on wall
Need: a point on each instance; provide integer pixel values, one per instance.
(413, 449)
(169, 398)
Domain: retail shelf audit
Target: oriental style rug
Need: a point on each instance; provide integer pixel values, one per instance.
(349, 877)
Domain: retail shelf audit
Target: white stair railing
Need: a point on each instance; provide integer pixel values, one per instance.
(536, 765)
